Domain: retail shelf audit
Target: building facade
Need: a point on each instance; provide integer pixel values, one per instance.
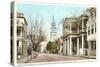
(21, 35)
(74, 35)
(53, 33)
(91, 31)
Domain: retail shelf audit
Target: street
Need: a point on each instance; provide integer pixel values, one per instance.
(43, 57)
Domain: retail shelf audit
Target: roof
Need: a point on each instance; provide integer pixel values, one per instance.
(21, 15)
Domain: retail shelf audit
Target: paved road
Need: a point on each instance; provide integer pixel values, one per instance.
(54, 57)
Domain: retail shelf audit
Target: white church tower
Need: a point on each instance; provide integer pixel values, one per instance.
(53, 32)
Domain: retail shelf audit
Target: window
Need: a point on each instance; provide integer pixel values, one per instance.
(18, 31)
(17, 43)
(22, 23)
(88, 30)
(53, 29)
(92, 29)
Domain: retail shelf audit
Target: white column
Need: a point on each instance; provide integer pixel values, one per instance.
(20, 44)
(82, 44)
(70, 49)
(78, 46)
(64, 47)
(67, 46)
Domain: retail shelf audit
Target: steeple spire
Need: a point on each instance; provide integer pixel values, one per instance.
(53, 30)
(53, 18)
(53, 21)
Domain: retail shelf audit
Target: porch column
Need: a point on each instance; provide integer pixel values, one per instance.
(68, 47)
(64, 47)
(82, 44)
(78, 46)
(70, 52)
(89, 48)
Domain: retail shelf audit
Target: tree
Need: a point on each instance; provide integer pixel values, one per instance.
(78, 23)
(49, 46)
(37, 33)
(52, 47)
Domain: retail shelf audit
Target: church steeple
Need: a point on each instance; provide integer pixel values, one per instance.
(53, 30)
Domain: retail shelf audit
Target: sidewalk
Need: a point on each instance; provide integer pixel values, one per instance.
(23, 60)
(28, 58)
(89, 57)
(85, 56)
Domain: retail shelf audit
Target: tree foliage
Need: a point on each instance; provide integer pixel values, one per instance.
(37, 34)
(52, 47)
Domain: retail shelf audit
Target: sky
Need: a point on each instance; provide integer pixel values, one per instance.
(46, 13)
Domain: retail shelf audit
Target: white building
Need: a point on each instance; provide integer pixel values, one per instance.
(21, 35)
(74, 36)
(80, 39)
(91, 31)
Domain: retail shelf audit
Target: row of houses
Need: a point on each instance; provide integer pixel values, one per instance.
(79, 34)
